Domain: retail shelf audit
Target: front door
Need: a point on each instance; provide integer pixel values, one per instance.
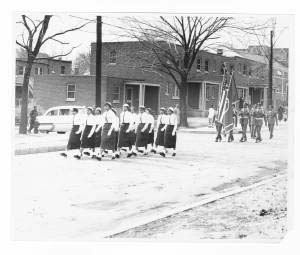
(212, 95)
(129, 95)
(193, 95)
(152, 98)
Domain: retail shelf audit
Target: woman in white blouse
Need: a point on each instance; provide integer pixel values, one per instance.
(126, 123)
(162, 122)
(98, 131)
(108, 137)
(142, 131)
(170, 133)
(87, 144)
(75, 134)
(150, 141)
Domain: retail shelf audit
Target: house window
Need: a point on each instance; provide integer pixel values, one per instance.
(38, 71)
(206, 65)
(116, 94)
(167, 89)
(62, 69)
(250, 72)
(71, 89)
(240, 67)
(21, 70)
(241, 92)
(244, 69)
(113, 57)
(176, 92)
(214, 66)
(199, 64)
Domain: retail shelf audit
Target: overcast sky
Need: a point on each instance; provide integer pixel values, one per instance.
(87, 35)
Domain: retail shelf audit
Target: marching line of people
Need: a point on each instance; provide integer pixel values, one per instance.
(254, 117)
(95, 134)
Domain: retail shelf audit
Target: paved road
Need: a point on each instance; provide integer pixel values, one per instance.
(64, 199)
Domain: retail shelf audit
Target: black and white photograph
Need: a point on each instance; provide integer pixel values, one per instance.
(152, 126)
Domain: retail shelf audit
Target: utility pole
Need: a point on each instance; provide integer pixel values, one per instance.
(98, 60)
(270, 89)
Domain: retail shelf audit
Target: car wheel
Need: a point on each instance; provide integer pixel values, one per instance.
(60, 132)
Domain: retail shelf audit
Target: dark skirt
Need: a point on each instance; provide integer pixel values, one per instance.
(151, 137)
(98, 137)
(142, 137)
(169, 139)
(160, 136)
(124, 138)
(74, 139)
(85, 141)
(108, 142)
(132, 136)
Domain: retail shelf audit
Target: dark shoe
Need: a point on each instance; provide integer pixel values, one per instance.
(113, 158)
(241, 140)
(174, 154)
(63, 154)
(154, 151)
(99, 158)
(106, 151)
(140, 151)
(162, 154)
(134, 154)
(87, 153)
(77, 156)
(117, 155)
(129, 155)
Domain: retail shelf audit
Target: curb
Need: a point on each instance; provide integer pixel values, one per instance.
(43, 149)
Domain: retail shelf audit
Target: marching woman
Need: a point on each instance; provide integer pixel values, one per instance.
(132, 133)
(142, 131)
(75, 134)
(162, 122)
(259, 117)
(108, 137)
(87, 138)
(98, 131)
(170, 133)
(116, 130)
(126, 123)
(150, 141)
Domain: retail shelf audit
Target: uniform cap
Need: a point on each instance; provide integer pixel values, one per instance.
(142, 107)
(126, 105)
(171, 109)
(90, 108)
(108, 104)
(98, 109)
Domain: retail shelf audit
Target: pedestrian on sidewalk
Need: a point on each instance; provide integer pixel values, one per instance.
(211, 114)
(98, 132)
(124, 137)
(87, 144)
(108, 137)
(271, 117)
(259, 119)
(142, 131)
(150, 142)
(244, 119)
(75, 134)
(170, 135)
(32, 120)
(162, 122)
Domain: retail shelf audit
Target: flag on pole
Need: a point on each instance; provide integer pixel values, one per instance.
(228, 97)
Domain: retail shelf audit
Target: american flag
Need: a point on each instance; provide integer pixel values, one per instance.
(228, 97)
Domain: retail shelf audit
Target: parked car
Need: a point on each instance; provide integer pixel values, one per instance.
(58, 119)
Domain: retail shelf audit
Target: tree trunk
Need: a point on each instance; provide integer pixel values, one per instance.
(183, 105)
(24, 103)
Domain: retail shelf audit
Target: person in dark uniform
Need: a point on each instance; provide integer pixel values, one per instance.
(98, 132)
(244, 119)
(280, 113)
(271, 117)
(219, 126)
(75, 134)
(259, 117)
(170, 136)
(142, 131)
(87, 144)
(234, 116)
(124, 140)
(162, 122)
(108, 137)
(32, 120)
(150, 141)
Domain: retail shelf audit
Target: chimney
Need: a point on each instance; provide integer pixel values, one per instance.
(220, 51)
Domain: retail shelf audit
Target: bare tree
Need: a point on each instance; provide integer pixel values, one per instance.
(31, 41)
(82, 62)
(171, 45)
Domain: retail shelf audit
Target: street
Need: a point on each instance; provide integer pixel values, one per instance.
(54, 198)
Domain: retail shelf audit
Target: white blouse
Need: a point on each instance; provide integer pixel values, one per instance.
(78, 119)
(98, 120)
(163, 119)
(172, 120)
(126, 117)
(143, 118)
(90, 120)
(109, 117)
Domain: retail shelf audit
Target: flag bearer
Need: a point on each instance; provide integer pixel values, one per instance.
(98, 131)
(170, 133)
(142, 131)
(259, 118)
(162, 122)
(108, 137)
(150, 141)
(234, 116)
(244, 119)
(271, 117)
(87, 144)
(124, 140)
(75, 134)
(219, 126)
